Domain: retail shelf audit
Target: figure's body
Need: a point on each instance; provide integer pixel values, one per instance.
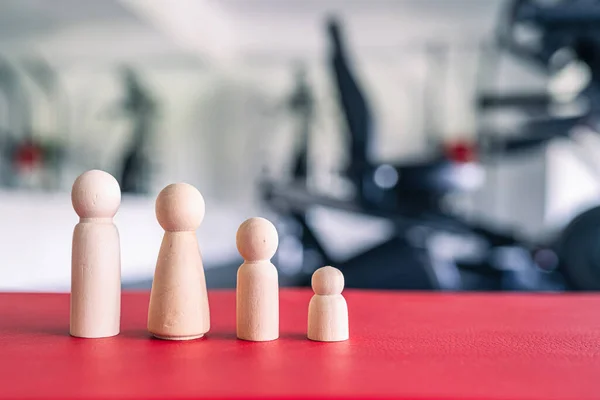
(257, 292)
(96, 257)
(179, 307)
(327, 310)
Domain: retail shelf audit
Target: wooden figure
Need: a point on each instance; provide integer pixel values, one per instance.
(257, 293)
(327, 310)
(178, 307)
(96, 257)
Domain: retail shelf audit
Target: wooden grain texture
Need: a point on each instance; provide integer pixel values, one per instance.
(257, 299)
(178, 308)
(95, 257)
(257, 288)
(327, 310)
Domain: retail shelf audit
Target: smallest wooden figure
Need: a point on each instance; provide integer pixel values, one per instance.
(328, 311)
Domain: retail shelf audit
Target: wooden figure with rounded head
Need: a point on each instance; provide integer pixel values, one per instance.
(257, 292)
(327, 310)
(178, 307)
(96, 257)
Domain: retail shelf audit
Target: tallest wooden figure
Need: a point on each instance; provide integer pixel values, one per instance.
(96, 257)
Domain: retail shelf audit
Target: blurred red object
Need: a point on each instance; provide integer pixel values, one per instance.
(461, 151)
(28, 155)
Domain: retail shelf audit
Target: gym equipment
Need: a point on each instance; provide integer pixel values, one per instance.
(141, 108)
(50, 139)
(22, 151)
(536, 30)
(421, 184)
(11, 121)
(412, 197)
(35, 156)
(32, 155)
(548, 36)
(301, 104)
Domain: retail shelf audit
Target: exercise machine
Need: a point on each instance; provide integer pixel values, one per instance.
(549, 36)
(412, 196)
(140, 107)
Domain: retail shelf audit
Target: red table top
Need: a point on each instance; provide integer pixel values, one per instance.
(409, 346)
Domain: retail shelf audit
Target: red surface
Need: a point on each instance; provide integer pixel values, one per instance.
(410, 346)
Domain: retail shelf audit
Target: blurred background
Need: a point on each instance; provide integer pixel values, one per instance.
(414, 144)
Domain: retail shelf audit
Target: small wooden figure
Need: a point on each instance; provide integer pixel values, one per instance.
(257, 293)
(178, 307)
(96, 257)
(328, 311)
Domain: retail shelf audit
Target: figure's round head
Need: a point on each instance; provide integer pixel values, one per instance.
(96, 194)
(179, 207)
(257, 239)
(327, 281)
